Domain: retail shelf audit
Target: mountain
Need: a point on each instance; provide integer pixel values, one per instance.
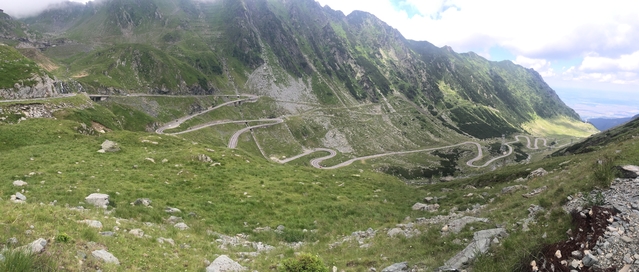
(204, 47)
(608, 123)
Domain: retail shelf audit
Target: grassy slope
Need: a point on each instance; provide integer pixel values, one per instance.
(15, 68)
(66, 168)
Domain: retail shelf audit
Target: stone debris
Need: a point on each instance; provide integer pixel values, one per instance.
(535, 192)
(19, 183)
(162, 240)
(512, 189)
(172, 210)
(181, 226)
(241, 239)
(109, 146)
(361, 237)
(98, 200)
(204, 158)
(91, 223)
(137, 233)
(537, 173)
(480, 244)
(457, 225)
(224, 264)
(425, 207)
(37, 246)
(142, 202)
(105, 256)
(398, 267)
(18, 198)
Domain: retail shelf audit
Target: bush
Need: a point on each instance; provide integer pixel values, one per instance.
(303, 263)
(604, 172)
(62, 238)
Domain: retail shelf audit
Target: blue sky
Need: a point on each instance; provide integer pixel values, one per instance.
(584, 49)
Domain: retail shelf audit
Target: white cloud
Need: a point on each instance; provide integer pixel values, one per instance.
(626, 62)
(542, 66)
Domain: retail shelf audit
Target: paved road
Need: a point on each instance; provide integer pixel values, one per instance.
(37, 99)
(179, 121)
(233, 139)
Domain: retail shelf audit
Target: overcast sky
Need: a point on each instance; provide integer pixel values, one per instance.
(578, 46)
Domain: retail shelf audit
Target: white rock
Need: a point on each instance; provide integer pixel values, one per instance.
(105, 256)
(224, 264)
(181, 226)
(172, 210)
(137, 233)
(92, 223)
(162, 240)
(37, 246)
(19, 183)
(98, 200)
(109, 146)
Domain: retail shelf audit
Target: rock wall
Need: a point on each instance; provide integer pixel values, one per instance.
(44, 87)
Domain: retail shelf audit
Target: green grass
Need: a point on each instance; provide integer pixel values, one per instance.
(16, 68)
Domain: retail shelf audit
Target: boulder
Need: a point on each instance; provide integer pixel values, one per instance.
(19, 183)
(18, 198)
(512, 189)
(537, 173)
(425, 207)
(174, 219)
(589, 260)
(224, 264)
(98, 200)
(37, 246)
(172, 210)
(628, 171)
(181, 226)
(163, 240)
(394, 232)
(480, 244)
(105, 256)
(142, 202)
(92, 223)
(137, 233)
(110, 146)
(397, 267)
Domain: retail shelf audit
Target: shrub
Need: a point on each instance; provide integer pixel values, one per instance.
(604, 172)
(62, 238)
(303, 263)
(17, 260)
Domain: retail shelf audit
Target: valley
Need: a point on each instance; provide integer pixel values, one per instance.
(166, 135)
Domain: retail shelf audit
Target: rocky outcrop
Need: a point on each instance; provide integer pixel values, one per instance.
(628, 171)
(43, 86)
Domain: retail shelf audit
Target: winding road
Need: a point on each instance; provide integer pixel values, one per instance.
(317, 162)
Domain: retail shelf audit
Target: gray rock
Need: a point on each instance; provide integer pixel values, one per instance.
(628, 171)
(535, 192)
(174, 219)
(425, 207)
(394, 232)
(512, 189)
(396, 267)
(92, 223)
(626, 239)
(479, 245)
(19, 183)
(98, 200)
(537, 173)
(37, 246)
(107, 233)
(105, 256)
(137, 233)
(224, 264)
(142, 202)
(110, 146)
(20, 196)
(589, 260)
(13, 241)
(204, 158)
(163, 240)
(457, 225)
(181, 226)
(172, 210)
